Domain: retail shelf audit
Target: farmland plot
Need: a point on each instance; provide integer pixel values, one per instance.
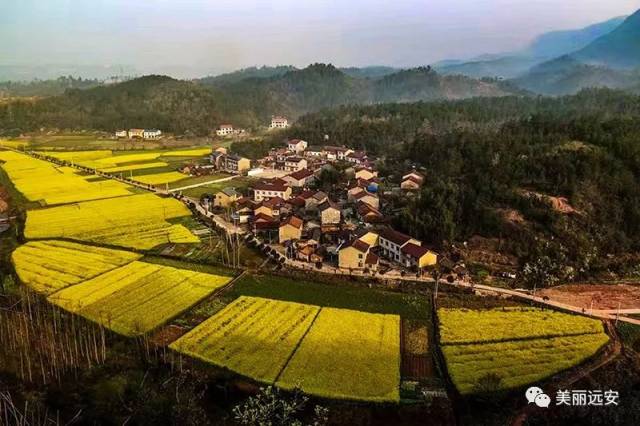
(137, 221)
(138, 297)
(348, 355)
(49, 266)
(252, 336)
(510, 323)
(517, 363)
(40, 180)
(490, 350)
(334, 353)
(160, 178)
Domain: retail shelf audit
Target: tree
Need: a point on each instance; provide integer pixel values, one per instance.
(269, 407)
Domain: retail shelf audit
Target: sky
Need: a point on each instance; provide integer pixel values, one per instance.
(190, 38)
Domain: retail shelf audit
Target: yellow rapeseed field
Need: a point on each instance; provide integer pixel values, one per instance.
(469, 326)
(137, 221)
(196, 152)
(348, 355)
(490, 350)
(252, 336)
(139, 297)
(160, 178)
(78, 156)
(49, 266)
(129, 167)
(517, 363)
(40, 180)
(333, 353)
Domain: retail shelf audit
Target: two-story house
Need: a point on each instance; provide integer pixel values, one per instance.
(270, 188)
(391, 243)
(278, 122)
(297, 145)
(294, 163)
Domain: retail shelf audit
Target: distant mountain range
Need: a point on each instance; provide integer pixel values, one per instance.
(564, 62)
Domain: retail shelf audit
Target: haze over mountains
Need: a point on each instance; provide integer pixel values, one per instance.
(600, 55)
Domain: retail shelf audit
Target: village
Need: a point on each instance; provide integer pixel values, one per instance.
(343, 228)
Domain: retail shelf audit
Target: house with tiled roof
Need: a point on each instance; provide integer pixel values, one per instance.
(366, 197)
(329, 212)
(412, 181)
(226, 197)
(300, 178)
(369, 214)
(417, 256)
(291, 229)
(365, 173)
(357, 157)
(357, 255)
(337, 153)
(297, 145)
(294, 163)
(279, 122)
(270, 188)
(392, 242)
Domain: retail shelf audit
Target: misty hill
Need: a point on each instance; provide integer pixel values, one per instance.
(505, 67)
(618, 49)
(566, 75)
(545, 47)
(185, 106)
(559, 43)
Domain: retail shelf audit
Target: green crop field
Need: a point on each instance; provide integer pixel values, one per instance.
(501, 349)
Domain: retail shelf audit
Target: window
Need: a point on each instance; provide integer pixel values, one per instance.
(360, 256)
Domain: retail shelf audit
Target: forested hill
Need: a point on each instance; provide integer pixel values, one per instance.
(500, 167)
(199, 106)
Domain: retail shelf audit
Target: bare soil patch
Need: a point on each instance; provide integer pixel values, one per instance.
(604, 296)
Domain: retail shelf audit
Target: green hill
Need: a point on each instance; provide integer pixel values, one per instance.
(244, 99)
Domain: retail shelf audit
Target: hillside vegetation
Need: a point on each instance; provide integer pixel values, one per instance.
(199, 106)
(488, 161)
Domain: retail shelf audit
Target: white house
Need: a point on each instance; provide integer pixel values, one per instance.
(392, 242)
(151, 134)
(297, 145)
(121, 134)
(224, 130)
(300, 178)
(294, 164)
(278, 122)
(271, 188)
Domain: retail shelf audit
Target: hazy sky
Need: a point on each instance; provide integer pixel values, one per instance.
(219, 35)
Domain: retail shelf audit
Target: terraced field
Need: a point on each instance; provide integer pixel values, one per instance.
(499, 349)
(138, 297)
(333, 353)
(49, 266)
(137, 221)
(41, 181)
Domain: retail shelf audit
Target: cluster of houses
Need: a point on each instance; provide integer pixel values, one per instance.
(346, 228)
(147, 134)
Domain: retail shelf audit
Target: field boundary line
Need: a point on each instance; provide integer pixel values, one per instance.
(516, 339)
(295, 350)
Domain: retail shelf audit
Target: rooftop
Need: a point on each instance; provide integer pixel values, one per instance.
(294, 221)
(394, 236)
